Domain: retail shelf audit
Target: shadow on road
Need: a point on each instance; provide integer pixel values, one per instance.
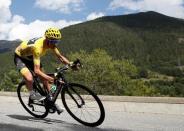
(10, 127)
(33, 119)
(68, 126)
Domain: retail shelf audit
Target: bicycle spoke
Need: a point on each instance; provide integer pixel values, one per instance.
(96, 112)
(83, 115)
(72, 107)
(90, 102)
(90, 113)
(80, 113)
(76, 111)
(36, 109)
(90, 110)
(89, 107)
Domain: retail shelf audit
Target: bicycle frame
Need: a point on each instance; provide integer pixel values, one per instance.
(43, 91)
(60, 83)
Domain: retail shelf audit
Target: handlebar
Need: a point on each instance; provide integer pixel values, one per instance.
(74, 66)
(62, 69)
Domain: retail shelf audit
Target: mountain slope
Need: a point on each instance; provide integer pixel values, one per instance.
(146, 20)
(150, 39)
(6, 46)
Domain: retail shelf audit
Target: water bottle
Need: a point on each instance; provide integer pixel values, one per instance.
(53, 88)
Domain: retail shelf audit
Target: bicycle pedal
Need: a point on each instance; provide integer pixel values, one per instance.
(52, 110)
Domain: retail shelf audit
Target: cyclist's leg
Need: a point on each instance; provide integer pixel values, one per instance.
(29, 83)
(48, 86)
(28, 78)
(24, 71)
(45, 82)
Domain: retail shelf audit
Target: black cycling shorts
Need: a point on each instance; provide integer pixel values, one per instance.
(23, 62)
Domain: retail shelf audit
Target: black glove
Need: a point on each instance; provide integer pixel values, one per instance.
(76, 65)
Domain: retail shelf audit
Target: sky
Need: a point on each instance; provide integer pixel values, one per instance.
(26, 19)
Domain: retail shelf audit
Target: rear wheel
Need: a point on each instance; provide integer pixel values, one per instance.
(83, 105)
(36, 109)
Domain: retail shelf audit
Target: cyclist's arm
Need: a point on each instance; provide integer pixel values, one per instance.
(61, 57)
(37, 70)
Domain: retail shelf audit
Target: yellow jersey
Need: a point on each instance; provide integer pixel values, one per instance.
(35, 48)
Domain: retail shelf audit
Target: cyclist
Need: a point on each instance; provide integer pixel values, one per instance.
(27, 57)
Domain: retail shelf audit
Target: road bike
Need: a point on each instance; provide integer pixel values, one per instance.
(79, 101)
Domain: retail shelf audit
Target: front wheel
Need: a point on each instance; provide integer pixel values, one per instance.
(37, 110)
(83, 105)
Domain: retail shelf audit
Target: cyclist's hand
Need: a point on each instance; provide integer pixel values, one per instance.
(76, 65)
(51, 80)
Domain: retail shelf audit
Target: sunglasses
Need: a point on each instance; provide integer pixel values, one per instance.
(53, 41)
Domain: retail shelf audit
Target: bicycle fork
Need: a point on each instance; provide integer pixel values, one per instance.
(70, 94)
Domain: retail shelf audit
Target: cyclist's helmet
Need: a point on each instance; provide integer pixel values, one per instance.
(53, 34)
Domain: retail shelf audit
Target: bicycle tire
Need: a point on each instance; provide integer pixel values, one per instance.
(24, 105)
(93, 95)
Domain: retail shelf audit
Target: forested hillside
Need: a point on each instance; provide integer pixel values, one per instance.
(151, 44)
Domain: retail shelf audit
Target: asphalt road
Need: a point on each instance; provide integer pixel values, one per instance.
(14, 118)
